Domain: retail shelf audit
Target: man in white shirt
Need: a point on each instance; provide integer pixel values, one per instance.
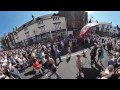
(20, 62)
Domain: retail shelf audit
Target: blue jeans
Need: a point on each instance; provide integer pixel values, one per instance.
(15, 74)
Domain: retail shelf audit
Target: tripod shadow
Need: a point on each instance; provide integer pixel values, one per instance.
(30, 73)
(90, 73)
(36, 76)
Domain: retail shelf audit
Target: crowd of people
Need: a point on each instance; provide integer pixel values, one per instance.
(97, 53)
(43, 56)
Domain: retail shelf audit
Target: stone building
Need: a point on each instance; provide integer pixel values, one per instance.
(75, 20)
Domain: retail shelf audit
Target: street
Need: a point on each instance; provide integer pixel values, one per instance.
(68, 70)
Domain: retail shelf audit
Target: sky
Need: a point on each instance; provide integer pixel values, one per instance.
(10, 19)
(105, 16)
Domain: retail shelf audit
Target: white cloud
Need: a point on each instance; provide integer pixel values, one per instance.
(90, 12)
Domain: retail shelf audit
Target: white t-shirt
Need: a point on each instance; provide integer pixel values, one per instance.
(16, 57)
(44, 60)
(70, 43)
(43, 54)
(62, 43)
(20, 61)
(117, 54)
(44, 47)
(5, 62)
(88, 40)
(24, 60)
(53, 47)
(48, 45)
(2, 76)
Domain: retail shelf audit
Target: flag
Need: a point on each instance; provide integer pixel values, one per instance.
(85, 30)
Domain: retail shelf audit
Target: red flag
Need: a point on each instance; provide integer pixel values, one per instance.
(86, 29)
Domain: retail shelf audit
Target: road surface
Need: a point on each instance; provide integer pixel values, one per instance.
(68, 70)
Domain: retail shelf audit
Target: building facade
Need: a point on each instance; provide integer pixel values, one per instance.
(106, 29)
(47, 27)
(75, 20)
(44, 27)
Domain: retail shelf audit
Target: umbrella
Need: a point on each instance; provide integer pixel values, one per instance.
(87, 28)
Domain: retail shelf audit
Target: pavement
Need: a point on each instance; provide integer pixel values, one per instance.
(69, 70)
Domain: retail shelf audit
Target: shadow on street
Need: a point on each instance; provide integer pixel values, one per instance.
(30, 73)
(36, 76)
(90, 73)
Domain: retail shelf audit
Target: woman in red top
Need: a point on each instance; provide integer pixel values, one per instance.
(37, 66)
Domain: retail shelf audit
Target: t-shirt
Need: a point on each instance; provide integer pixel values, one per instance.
(62, 44)
(79, 64)
(33, 55)
(2, 76)
(15, 73)
(117, 54)
(20, 61)
(44, 60)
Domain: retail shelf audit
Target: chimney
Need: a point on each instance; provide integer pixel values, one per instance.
(13, 29)
(4, 34)
(16, 27)
(33, 17)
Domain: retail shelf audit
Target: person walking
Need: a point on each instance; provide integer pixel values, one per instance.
(79, 65)
(93, 55)
(100, 56)
(69, 54)
(52, 68)
(57, 55)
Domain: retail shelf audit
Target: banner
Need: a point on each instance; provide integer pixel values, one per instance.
(87, 28)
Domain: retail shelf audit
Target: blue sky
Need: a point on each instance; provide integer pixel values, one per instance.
(106, 16)
(10, 19)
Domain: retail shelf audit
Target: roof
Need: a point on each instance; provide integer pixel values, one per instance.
(35, 20)
(104, 23)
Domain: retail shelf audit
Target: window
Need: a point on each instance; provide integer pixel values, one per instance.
(40, 22)
(35, 32)
(55, 18)
(57, 25)
(25, 29)
(42, 28)
(27, 34)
